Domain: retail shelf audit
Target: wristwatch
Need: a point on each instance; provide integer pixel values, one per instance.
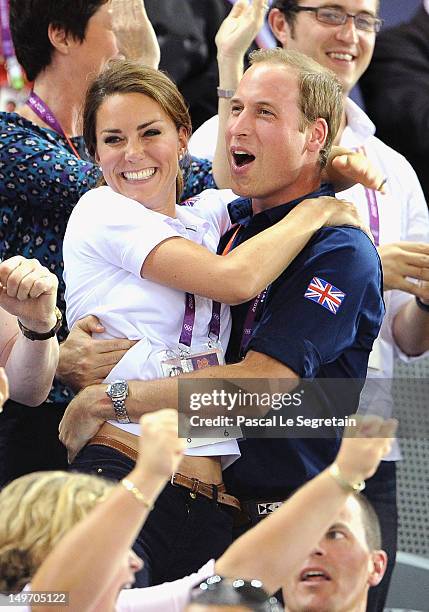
(33, 335)
(118, 392)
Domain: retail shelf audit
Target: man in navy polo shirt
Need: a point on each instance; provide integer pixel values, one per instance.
(320, 318)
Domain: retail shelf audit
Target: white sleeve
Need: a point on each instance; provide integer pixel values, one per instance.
(415, 223)
(171, 596)
(203, 140)
(116, 229)
(212, 205)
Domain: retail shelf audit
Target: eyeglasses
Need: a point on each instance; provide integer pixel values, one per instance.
(337, 16)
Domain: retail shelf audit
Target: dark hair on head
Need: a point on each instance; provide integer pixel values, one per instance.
(218, 591)
(289, 10)
(320, 91)
(29, 23)
(371, 523)
(124, 77)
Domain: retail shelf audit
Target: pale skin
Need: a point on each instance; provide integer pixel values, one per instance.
(300, 521)
(401, 261)
(28, 292)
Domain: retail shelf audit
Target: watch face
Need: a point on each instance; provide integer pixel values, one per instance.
(118, 389)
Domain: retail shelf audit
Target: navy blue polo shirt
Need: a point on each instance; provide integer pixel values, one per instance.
(320, 318)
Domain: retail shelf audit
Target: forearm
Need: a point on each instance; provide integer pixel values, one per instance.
(30, 368)
(411, 329)
(275, 248)
(280, 540)
(71, 562)
(151, 395)
(230, 72)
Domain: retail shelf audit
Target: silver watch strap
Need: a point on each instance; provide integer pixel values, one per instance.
(121, 413)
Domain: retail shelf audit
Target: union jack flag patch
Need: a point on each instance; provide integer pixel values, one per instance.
(325, 294)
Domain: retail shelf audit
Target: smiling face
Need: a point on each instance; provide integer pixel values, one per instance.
(337, 575)
(138, 148)
(344, 49)
(268, 152)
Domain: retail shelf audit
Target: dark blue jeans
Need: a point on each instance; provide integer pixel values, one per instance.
(180, 534)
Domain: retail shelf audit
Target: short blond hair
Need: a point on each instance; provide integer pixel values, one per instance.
(320, 91)
(36, 511)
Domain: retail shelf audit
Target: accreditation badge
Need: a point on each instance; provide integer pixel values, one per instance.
(175, 363)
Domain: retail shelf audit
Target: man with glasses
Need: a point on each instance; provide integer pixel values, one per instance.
(341, 35)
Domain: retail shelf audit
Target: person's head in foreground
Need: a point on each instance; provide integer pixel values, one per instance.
(217, 594)
(339, 572)
(50, 33)
(37, 511)
(284, 116)
(340, 35)
(136, 126)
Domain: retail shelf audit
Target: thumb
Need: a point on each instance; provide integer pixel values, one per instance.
(89, 325)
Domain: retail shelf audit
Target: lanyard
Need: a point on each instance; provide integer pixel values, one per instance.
(189, 321)
(8, 50)
(249, 321)
(44, 113)
(189, 317)
(374, 220)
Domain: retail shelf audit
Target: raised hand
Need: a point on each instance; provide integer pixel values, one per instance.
(240, 27)
(160, 448)
(364, 445)
(134, 32)
(29, 291)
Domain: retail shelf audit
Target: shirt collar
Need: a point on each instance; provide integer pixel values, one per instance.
(358, 121)
(240, 210)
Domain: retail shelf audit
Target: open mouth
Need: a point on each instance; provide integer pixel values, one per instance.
(139, 175)
(314, 576)
(242, 158)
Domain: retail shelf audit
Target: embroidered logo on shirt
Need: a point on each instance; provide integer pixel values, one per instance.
(325, 294)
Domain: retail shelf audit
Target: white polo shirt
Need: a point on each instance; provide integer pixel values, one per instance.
(107, 240)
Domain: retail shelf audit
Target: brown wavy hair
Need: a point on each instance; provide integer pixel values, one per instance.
(125, 76)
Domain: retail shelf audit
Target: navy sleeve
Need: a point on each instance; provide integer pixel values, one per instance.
(327, 301)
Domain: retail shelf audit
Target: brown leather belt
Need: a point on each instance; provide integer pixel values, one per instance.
(117, 438)
(215, 492)
(127, 444)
